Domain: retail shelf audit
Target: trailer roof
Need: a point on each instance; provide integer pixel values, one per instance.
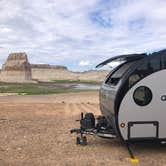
(126, 57)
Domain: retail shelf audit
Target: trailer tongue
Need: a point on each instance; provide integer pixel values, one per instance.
(89, 127)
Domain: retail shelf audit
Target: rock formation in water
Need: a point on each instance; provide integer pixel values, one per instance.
(16, 68)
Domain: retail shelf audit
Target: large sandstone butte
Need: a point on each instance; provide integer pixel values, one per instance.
(16, 68)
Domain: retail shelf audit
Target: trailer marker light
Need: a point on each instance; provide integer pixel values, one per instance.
(122, 125)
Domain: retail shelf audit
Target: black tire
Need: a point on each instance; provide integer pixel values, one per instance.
(78, 141)
(84, 140)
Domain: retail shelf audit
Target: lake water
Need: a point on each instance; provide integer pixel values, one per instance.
(86, 87)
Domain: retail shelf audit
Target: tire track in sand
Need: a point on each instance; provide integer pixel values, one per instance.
(71, 109)
(91, 108)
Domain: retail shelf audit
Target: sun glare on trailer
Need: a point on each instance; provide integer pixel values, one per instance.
(114, 64)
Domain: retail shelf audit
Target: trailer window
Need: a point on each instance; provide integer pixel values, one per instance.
(142, 96)
(154, 64)
(149, 66)
(117, 75)
(140, 72)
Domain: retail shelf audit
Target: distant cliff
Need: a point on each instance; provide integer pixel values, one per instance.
(52, 73)
(46, 66)
(18, 69)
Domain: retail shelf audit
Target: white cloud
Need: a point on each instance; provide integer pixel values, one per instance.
(84, 63)
(5, 30)
(65, 32)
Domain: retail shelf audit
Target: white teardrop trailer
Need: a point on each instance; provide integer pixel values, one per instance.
(132, 101)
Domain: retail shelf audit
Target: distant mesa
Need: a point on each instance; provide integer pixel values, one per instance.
(18, 69)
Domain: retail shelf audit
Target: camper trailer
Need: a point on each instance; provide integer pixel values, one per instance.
(132, 100)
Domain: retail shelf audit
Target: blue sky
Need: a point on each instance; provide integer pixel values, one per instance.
(80, 34)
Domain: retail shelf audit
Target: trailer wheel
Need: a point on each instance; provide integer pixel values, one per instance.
(84, 140)
(81, 141)
(78, 142)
